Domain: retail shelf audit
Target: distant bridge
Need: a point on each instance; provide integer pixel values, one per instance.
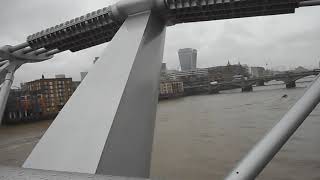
(288, 78)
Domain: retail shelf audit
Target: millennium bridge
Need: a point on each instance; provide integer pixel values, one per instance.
(107, 126)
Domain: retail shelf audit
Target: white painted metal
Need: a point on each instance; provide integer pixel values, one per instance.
(6, 87)
(250, 167)
(77, 138)
(125, 8)
(129, 146)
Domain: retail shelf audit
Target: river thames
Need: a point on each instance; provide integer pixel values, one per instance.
(203, 137)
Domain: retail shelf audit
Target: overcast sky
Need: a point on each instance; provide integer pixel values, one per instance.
(283, 41)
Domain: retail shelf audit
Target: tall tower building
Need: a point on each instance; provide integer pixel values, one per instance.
(188, 59)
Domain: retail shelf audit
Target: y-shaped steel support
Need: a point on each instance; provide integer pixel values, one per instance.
(107, 126)
(8, 68)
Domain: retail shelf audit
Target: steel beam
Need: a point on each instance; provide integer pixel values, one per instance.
(251, 166)
(107, 125)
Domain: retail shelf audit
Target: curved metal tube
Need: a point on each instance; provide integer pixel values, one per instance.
(27, 50)
(251, 166)
(53, 52)
(5, 88)
(41, 51)
(4, 65)
(18, 47)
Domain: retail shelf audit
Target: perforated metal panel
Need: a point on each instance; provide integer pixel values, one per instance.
(100, 26)
(183, 11)
(80, 33)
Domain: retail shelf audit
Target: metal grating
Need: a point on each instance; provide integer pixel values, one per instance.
(80, 33)
(183, 11)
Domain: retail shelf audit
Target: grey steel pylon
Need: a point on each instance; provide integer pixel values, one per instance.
(107, 125)
(7, 71)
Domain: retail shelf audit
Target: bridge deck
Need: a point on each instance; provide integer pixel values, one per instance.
(9, 173)
(100, 26)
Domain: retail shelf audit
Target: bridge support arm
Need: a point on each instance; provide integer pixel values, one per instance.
(107, 125)
(5, 89)
(251, 166)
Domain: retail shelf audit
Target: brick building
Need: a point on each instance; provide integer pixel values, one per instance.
(55, 92)
(39, 99)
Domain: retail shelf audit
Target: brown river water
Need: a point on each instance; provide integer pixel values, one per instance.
(203, 137)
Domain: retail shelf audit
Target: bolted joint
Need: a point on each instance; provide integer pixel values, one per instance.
(125, 8)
